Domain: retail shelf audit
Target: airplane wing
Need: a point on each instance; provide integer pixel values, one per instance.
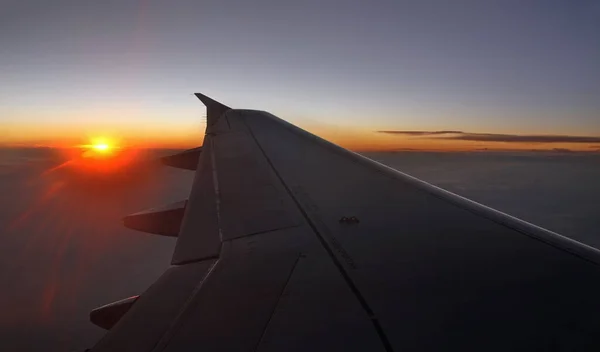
(291, 243)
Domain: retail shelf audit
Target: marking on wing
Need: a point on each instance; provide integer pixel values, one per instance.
(314, 209)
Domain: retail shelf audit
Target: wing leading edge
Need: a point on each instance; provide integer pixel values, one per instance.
(265, 261)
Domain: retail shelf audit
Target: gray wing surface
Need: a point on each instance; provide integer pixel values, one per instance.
(291, 243)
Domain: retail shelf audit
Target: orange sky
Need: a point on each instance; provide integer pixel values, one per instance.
(188, 135)
(129, 72)
(369, 140)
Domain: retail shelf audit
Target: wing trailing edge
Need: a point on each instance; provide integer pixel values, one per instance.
(187, 160)
(165, 220)
(107, 316)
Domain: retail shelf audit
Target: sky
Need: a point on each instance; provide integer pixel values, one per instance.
(71, 71)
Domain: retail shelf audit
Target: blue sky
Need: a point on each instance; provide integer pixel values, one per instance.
(484, 66)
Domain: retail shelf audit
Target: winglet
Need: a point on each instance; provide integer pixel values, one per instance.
(214, 109)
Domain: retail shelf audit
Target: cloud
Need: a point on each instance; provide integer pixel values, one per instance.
(493, 137)
(562, 150)
(407, 150)
(421, 133)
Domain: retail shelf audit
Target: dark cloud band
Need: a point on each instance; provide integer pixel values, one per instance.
(493, 137)
(421, 133)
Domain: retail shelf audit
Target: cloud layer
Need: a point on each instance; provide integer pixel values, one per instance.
(421, 133)
(493, 137)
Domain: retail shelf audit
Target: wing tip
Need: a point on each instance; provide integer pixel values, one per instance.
(204, 99)
(208, 101)
(214, 109)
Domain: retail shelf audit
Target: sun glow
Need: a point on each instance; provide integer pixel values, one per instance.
(101, 147)
(103, 155)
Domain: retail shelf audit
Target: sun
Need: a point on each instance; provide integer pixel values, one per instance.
(101, 147)
(103, 155)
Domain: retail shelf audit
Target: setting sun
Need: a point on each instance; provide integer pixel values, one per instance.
(101, 147)
(103, 155)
